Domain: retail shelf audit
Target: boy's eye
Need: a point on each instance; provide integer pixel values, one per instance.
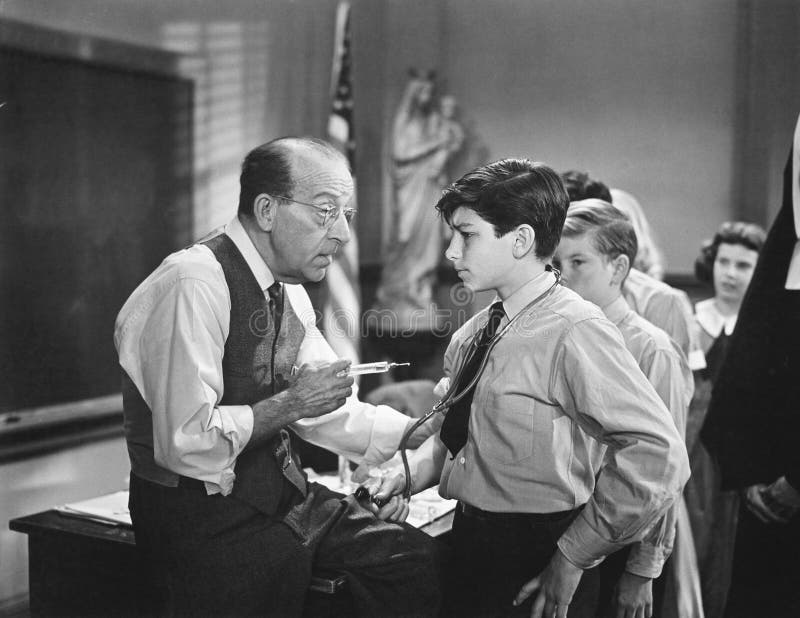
(577, 262)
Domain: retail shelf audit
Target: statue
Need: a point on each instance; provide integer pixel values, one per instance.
(425, 136)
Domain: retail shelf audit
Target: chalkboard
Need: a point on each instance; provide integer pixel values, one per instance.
(96, 187)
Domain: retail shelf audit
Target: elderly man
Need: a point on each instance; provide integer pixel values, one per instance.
(658, 303)
(209, 345)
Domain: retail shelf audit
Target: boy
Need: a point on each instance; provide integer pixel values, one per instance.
(658, 303)
(522, 451)
(597, 248)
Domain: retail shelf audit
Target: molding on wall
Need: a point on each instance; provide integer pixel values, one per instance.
(17, 606)
(34, 431)
(87, 48)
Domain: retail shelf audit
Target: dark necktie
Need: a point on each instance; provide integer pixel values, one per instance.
(456, 421)
(283, 448)
(275, 292)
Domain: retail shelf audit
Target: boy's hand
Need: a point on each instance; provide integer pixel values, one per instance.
(634, 596)
(385, 497)
(558, 583)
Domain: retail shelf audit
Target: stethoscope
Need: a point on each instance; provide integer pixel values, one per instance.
(451, 396)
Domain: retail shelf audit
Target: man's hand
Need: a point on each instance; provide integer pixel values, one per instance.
(558, 583)
(318, 390)
(634, 596)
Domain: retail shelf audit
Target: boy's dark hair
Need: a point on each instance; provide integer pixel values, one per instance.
(748, 235)
(268, 168)
(611, 229)
(581, 186)
(509, 193)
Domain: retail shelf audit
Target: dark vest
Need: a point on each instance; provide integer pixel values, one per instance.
(262, 472)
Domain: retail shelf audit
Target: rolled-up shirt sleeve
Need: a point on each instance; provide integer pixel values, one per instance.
(171, 344)
(602, 388)
(359, 431)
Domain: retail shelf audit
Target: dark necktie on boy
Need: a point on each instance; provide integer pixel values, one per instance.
(456, 421)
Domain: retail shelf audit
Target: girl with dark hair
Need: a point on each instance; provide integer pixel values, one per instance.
(727, 262)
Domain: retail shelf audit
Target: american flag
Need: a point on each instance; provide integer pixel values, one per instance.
(341, 317)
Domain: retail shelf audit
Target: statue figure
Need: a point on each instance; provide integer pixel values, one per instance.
(425, 135)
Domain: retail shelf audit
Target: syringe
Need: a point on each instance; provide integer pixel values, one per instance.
(381, 367)
(357, 370)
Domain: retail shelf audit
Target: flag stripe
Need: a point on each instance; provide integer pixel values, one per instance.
(342, 306)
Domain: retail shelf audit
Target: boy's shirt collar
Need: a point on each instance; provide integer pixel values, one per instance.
(527, 293)
(616, 310)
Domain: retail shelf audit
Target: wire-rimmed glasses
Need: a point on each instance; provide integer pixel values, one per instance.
(330, 211)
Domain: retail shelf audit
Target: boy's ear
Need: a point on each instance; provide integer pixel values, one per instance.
(524, 241)
(621, 265)
(264, 207)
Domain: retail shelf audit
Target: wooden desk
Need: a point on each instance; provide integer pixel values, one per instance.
(79, 567)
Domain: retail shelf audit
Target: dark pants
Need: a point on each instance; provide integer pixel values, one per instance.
(221, 557)
(766, 571)
(494, 554)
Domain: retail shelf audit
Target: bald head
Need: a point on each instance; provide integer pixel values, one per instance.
(281, 165)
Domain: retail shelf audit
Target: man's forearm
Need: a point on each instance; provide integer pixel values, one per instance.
(270, 416)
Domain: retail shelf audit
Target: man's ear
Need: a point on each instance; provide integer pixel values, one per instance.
(264, 207)
(524, 241)
(621, 265)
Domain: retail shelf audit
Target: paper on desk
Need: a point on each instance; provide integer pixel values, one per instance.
(428, 506)
(108, 509)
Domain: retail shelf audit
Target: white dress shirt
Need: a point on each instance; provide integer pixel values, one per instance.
(667, 369)
(170, 336)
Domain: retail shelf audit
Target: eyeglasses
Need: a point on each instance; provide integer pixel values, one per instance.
(330, 212)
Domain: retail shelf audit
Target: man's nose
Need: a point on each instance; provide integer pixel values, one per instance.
(340, 229)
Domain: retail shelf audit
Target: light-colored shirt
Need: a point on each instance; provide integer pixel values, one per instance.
(558, 386)
(170, 336)
(666, 307)
(667, 369)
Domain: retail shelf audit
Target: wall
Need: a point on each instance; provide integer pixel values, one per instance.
(39, 483)
(640, 94)
(688, 105)
(676, 102)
